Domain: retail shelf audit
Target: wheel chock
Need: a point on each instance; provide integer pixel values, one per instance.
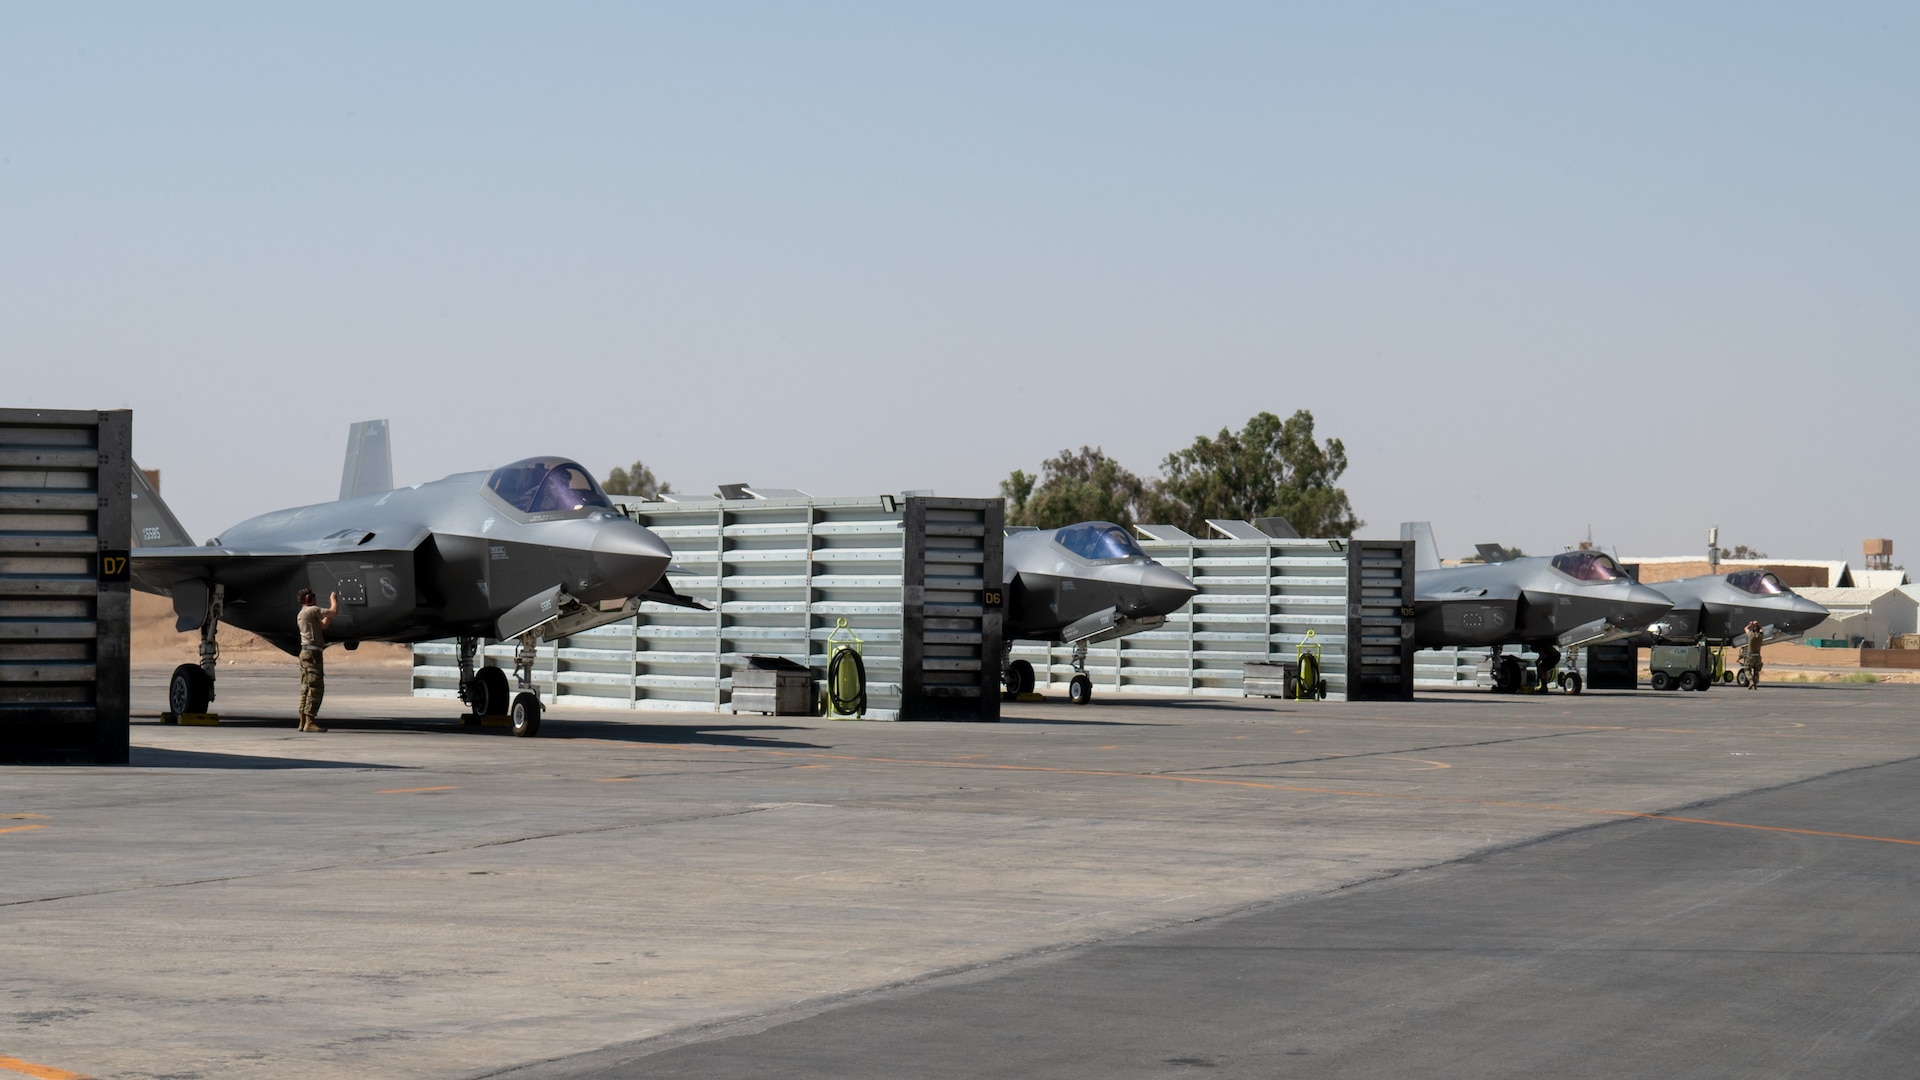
(200, 719)
(496, 720)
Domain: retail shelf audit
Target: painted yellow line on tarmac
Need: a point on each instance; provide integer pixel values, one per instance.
(1771, 828)
(416, 790)
(20, 817)
(21, 828)
(40, 1072)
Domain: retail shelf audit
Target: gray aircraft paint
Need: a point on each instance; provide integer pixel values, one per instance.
(1528, 601)
(448, 558)
(1718, 607)
(1064, 597)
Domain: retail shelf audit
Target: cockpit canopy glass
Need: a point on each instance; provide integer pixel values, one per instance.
(546, 486)
(1098, 540)
(1589, 566)
(1757, 582)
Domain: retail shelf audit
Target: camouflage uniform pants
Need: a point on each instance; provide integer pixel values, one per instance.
(313, 683)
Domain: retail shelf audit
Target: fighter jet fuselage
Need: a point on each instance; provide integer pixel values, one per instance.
(441, 559)
(1078, 585)
(1716, 608)
(1086, 582)
(531, 551)
(1576, 598)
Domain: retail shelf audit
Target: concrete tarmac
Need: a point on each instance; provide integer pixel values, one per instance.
(1640, 948)
(406, 897)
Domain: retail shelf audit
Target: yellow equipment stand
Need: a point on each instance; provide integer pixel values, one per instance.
(844, 697)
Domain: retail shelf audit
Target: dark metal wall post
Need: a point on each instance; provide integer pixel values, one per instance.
(951, 597)
(65, 529)
(1380, 644)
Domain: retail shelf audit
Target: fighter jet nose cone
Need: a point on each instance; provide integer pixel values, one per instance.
(1646, 605)
(1163, 591)
(1806, 615)
(629, 557)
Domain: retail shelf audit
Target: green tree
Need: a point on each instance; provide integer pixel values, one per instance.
(637, 480)
(1270, 468)
(1083, 486)
(1742, 551)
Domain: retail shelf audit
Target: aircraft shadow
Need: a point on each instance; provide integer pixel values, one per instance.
(736, 735)
(148, 757)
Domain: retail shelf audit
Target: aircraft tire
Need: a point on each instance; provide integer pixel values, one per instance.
(488, 692)
(524, 718)
(1507, 675)
(1661, 680)
(1080, 690)
(189, 690)
(1020, 677)
(1573, 684)
(1689, 680)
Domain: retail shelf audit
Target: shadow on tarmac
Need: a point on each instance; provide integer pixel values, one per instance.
(148, 757)
(736, 735)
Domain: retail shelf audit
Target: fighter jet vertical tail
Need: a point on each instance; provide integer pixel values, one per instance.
(1425, 555)
(153, 524)
(369, 467)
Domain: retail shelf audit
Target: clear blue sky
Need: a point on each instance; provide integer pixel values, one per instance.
(1645, 267)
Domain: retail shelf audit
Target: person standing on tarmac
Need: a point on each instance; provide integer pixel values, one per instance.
(1750, 657)
(312, 621)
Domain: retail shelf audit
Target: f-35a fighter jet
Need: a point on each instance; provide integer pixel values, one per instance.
(1079, 585)
(1546, 602)
(528, 552)
(1715, 609)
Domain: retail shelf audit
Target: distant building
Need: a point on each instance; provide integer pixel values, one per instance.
(1868, 618)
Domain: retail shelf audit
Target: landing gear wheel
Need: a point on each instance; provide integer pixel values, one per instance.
(1662, 681)
(488, 692)
(1570, 682)
(1080, 690)
(1507, 675)
(1742, 679)
(525, 714)
(1019, 678)
(189, 690)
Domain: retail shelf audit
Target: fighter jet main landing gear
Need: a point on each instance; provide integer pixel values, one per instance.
(1015, 675)
(1509, 674)
(190, 690)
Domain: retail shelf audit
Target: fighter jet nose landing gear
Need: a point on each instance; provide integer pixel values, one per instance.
(1080, 688)
(487, 694)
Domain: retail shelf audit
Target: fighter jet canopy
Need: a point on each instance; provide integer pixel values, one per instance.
(547, 486)
(1589, 566)
(1099, 541)
(1757, 582)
